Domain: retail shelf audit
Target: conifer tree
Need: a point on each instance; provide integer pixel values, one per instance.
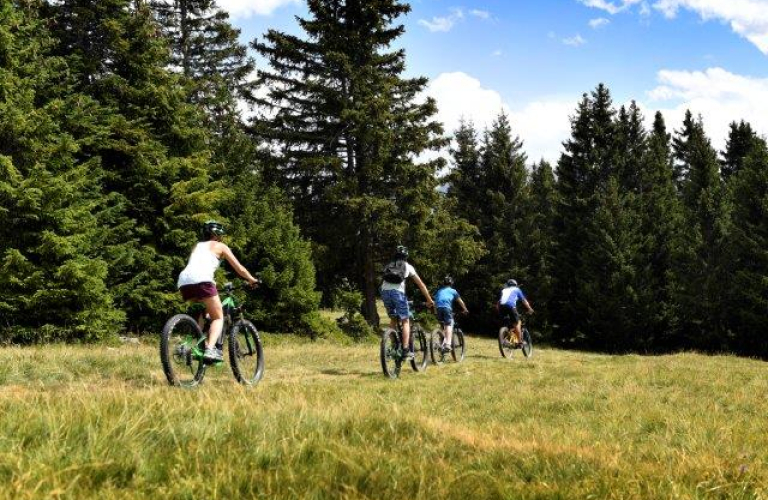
(703, 273)
(153, 153)
(748, 251)
(586, 165)
(52, 270)
(741, 141)
(348, 126)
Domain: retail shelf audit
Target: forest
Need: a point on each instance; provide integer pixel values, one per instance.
(124, 124)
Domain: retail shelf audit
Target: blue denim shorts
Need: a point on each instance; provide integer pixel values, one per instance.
(445, 316)
(396, 303)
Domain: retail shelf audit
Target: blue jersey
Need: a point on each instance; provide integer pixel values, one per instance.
(445, 297)
(510, 295)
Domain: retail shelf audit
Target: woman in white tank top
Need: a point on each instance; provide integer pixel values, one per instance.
(196, 282)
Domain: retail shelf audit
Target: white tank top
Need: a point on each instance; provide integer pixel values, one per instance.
(200, 268)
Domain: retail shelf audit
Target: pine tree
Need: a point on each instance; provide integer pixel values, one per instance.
(52, 270)
(348, 127)
(153, 155)
(205, 48)
(748, 251)
(681, 148)
(703, 273)
(741, 141)
(584, 168)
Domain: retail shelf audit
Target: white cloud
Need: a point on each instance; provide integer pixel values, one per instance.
(497, 53)
(611, 7)
(719, 96)
(574, 41)
(748, 18)
(542, 125)
(599, 22)
(246, 8)
(482, 14)
(443, 23)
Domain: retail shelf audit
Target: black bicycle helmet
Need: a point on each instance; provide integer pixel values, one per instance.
(212, 228)
(511, 282)
(448, 280)
(401, 252)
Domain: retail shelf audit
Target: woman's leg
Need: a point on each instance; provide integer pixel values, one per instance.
(216, 313)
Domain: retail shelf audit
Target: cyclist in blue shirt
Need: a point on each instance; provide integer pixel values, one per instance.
(444, 302)
(507, 305)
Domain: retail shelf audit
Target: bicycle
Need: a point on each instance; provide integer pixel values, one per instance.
(458, 347)
(182, 345)
(392, 354)
(507, 347)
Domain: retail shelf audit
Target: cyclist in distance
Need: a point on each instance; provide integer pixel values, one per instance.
(196, 282)
(444, 302)
(395, 275)
(507, 305)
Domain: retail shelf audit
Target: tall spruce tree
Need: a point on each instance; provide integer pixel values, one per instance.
(348, 127)
(490, 187)
(52, 269)
(153, 154)
(741, 141)
(703, 273)
(586, 165)
(748, 252)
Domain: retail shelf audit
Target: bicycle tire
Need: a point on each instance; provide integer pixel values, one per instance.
(390, 353)
(458, 347)
(246, 354)
(505, 348)
(420, 349)
(527, 343)
(435, 341)
(180, 351)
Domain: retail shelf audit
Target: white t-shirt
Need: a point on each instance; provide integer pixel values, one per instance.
(409, 271)
(201, 266)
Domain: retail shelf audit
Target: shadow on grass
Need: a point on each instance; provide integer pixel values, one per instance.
(342, 373)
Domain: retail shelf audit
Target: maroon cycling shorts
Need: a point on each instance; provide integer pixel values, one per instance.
(198, 291)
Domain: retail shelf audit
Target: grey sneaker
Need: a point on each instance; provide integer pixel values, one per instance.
(407, 355)
(212, 354)
(445, 348)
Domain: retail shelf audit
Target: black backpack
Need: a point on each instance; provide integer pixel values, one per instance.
(394, 272)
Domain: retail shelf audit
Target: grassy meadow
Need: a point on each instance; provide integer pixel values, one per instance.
(101, 422)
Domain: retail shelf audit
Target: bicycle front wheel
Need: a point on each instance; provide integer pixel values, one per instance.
(527, 343)
(505, 342)
(458, 348)
(246, 354)
(390, 353)
(420, 349)
(181, 351)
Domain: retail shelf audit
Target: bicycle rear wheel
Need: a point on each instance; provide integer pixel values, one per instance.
(506, 348)
(420, 349)
(246, 355)
(458, 348)
(527, 343)
(390, 353)
(435, 342)
(181, 351)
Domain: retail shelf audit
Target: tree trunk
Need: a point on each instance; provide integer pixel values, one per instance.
(369, 279)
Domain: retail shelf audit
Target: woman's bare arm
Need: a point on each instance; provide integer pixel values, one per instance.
(226, 252)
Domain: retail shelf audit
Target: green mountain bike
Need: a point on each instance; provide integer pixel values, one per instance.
(392, 353)
(183, 342)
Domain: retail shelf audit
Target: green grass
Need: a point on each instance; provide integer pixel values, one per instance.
(100, 422)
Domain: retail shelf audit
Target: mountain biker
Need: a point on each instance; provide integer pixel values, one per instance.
(507, 305)
(196, 282)
(395, 275)
(444, 302)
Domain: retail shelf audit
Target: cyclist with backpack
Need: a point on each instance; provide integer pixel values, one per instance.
(507, 305)
(395, 275)
(444, 299)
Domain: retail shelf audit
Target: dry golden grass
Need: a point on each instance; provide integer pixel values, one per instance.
(100, 422)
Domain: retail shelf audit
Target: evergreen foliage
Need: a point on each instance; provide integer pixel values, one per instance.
(348, 128)
(52, 271)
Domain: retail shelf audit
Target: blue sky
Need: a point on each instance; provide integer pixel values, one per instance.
(534, 58)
